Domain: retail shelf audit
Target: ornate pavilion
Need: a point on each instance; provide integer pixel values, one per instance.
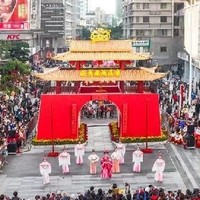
(94, 79)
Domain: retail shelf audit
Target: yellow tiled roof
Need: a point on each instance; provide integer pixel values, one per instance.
(138, 74)
(110, 50)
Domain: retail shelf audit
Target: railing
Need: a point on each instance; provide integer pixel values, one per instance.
(32, 124)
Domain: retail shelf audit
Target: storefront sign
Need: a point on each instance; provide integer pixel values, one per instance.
(141, 43)
(13, 37)
(183, 56)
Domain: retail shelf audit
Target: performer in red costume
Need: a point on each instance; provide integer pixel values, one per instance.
(106, 166)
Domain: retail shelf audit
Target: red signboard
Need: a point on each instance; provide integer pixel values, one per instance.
(14, 14)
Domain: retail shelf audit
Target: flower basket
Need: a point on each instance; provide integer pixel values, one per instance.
(82, 137)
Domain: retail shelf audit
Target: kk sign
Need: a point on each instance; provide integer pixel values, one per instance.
(141, 43)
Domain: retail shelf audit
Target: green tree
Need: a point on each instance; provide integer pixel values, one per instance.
(85, 34)
(116, 32)
(13, 72)
(14, 50)
(20, 51)
(5, 49)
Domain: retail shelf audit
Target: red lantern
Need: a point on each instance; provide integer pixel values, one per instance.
(82, 63)
(100, 62)
(117, 62)
(72, 62)
(128, 62)
(95, 62)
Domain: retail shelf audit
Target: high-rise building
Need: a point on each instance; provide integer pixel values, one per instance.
(156, 23)
(118, 9)
(52, 24)
(191, 44)
(60, 21)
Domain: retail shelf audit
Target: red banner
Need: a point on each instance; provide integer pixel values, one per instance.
(125, 118)
(14, 15)
(74, 119)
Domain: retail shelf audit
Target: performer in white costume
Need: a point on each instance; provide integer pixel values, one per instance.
(45, 170)
(64, 161)
(137, 159)
(115, 156)
(79, 151)
(93, 162)
(121, 150)
(158, 168)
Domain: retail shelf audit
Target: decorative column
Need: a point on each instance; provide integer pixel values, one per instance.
(77, 83)
(58, 87)
(122, 64)
(140, 87)
(78, 66)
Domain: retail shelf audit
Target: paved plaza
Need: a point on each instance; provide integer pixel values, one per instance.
(22, 171)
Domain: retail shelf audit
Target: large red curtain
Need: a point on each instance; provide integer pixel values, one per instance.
(59, 114)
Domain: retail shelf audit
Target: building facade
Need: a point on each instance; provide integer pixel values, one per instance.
(60, 21)
(191, 44)
(25, 26)
(156, 21)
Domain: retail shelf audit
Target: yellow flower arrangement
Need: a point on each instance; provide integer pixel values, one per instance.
(115, 135)
(82, 137)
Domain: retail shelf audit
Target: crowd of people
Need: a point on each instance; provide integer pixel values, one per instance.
(99, 110)
(148, 192)
(183, 121)
(16, 111)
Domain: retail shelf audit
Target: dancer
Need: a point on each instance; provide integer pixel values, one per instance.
(93, 162)
(137, 159)
(121, 150)
(115, 156)
(106, 166)
(45, 170)
(64, 161)
(158, 168)
(79, 151)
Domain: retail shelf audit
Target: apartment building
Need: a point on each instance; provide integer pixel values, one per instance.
(157, 23)
(191, 44)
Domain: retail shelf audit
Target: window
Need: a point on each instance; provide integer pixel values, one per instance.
(145, 19)
(176, 21)
(176, 32)
(137, 19)
(163, 19)
(163, 49)
(145, 6)
(137, 49)
(139, 32)
(137, 6)
(145, 49)
(164, 32)
(163, 6)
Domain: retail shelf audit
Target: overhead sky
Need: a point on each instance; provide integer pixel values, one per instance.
(107, 5)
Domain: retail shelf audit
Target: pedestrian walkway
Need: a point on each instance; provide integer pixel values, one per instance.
(98, 138)
(29, 187)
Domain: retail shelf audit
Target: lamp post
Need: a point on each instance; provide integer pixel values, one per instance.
(190, 52)
(190, 80)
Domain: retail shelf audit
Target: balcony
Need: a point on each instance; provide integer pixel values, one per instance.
(144, 26)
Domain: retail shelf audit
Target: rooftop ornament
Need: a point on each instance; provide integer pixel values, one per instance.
(100, 35)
